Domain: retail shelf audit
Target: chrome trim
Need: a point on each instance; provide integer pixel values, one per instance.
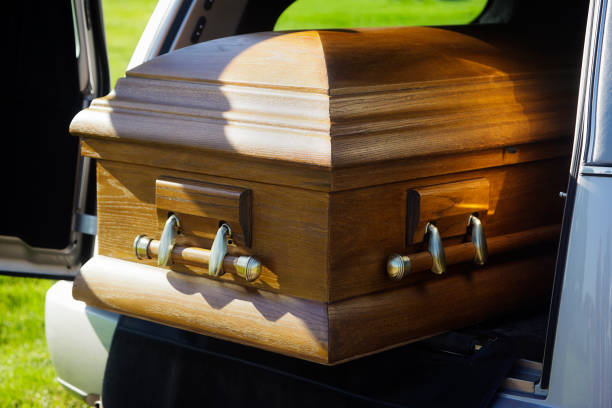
(593, 90)
(595, 171)
(398, 266)
(86, 58)
(86, 224)
(141, 247)
(248, 268)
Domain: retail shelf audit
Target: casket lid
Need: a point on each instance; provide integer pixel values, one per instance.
(337, 98)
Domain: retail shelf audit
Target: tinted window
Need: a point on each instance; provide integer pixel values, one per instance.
(602, 144)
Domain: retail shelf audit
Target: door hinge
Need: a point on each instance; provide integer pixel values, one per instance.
(86, 224)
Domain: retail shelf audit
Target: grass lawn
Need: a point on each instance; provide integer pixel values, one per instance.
(27, 377)
(124, 21)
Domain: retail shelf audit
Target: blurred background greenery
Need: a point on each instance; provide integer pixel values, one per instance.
(27, 377)
(379, 13)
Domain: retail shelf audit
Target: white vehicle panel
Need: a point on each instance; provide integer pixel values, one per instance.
(582, 359)
(78, 338)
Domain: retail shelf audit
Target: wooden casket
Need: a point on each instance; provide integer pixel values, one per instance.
(331, 194)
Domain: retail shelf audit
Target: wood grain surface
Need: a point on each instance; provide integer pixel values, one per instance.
(448, 205)
(318, 245)
(315, 331)
(228, 204)
(369, 224)
(289, 227)
(314, 177)
(367, 324)
(327, 131)
(274, 322)
(343, 98)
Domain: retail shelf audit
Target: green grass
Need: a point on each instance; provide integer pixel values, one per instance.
(27, 377)
(367, 13)
(125, 21)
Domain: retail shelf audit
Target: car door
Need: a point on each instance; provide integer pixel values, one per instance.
(57, 57)
(57, 66)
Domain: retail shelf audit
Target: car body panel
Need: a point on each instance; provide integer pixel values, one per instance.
(78, 337)
(582, 363)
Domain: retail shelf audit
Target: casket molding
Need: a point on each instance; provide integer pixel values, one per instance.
(329, 98)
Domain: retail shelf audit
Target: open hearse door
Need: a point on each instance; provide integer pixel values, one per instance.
(49, 204)
(58, 65)
(363, 217)
(49, 193)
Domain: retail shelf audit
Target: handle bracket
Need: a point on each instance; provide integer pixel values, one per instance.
(479, 240)
(167, 241)
(436, 248)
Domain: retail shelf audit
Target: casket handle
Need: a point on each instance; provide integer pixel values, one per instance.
(216, 258)
(435, 247)
(398, 266)
(167, 241)
(478, 240)
(477, 250)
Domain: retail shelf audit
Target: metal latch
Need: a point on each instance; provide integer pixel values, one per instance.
(86, 224)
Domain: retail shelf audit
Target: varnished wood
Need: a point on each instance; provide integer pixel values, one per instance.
(305, 98)
(362, 236)
(221, 203)
(464, 252)
(289, 227)
(315, 331)
(127, 207)
(274, 322)
(422, 167)
(366, 324)
(328, 131)
(447, 205)
(518, 385)
(319, 178)
(210, 163)
(526, 384)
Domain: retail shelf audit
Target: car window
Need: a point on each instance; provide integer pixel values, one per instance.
(306, 14)
(602, 130)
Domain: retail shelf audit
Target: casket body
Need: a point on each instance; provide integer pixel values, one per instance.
(326, 152)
